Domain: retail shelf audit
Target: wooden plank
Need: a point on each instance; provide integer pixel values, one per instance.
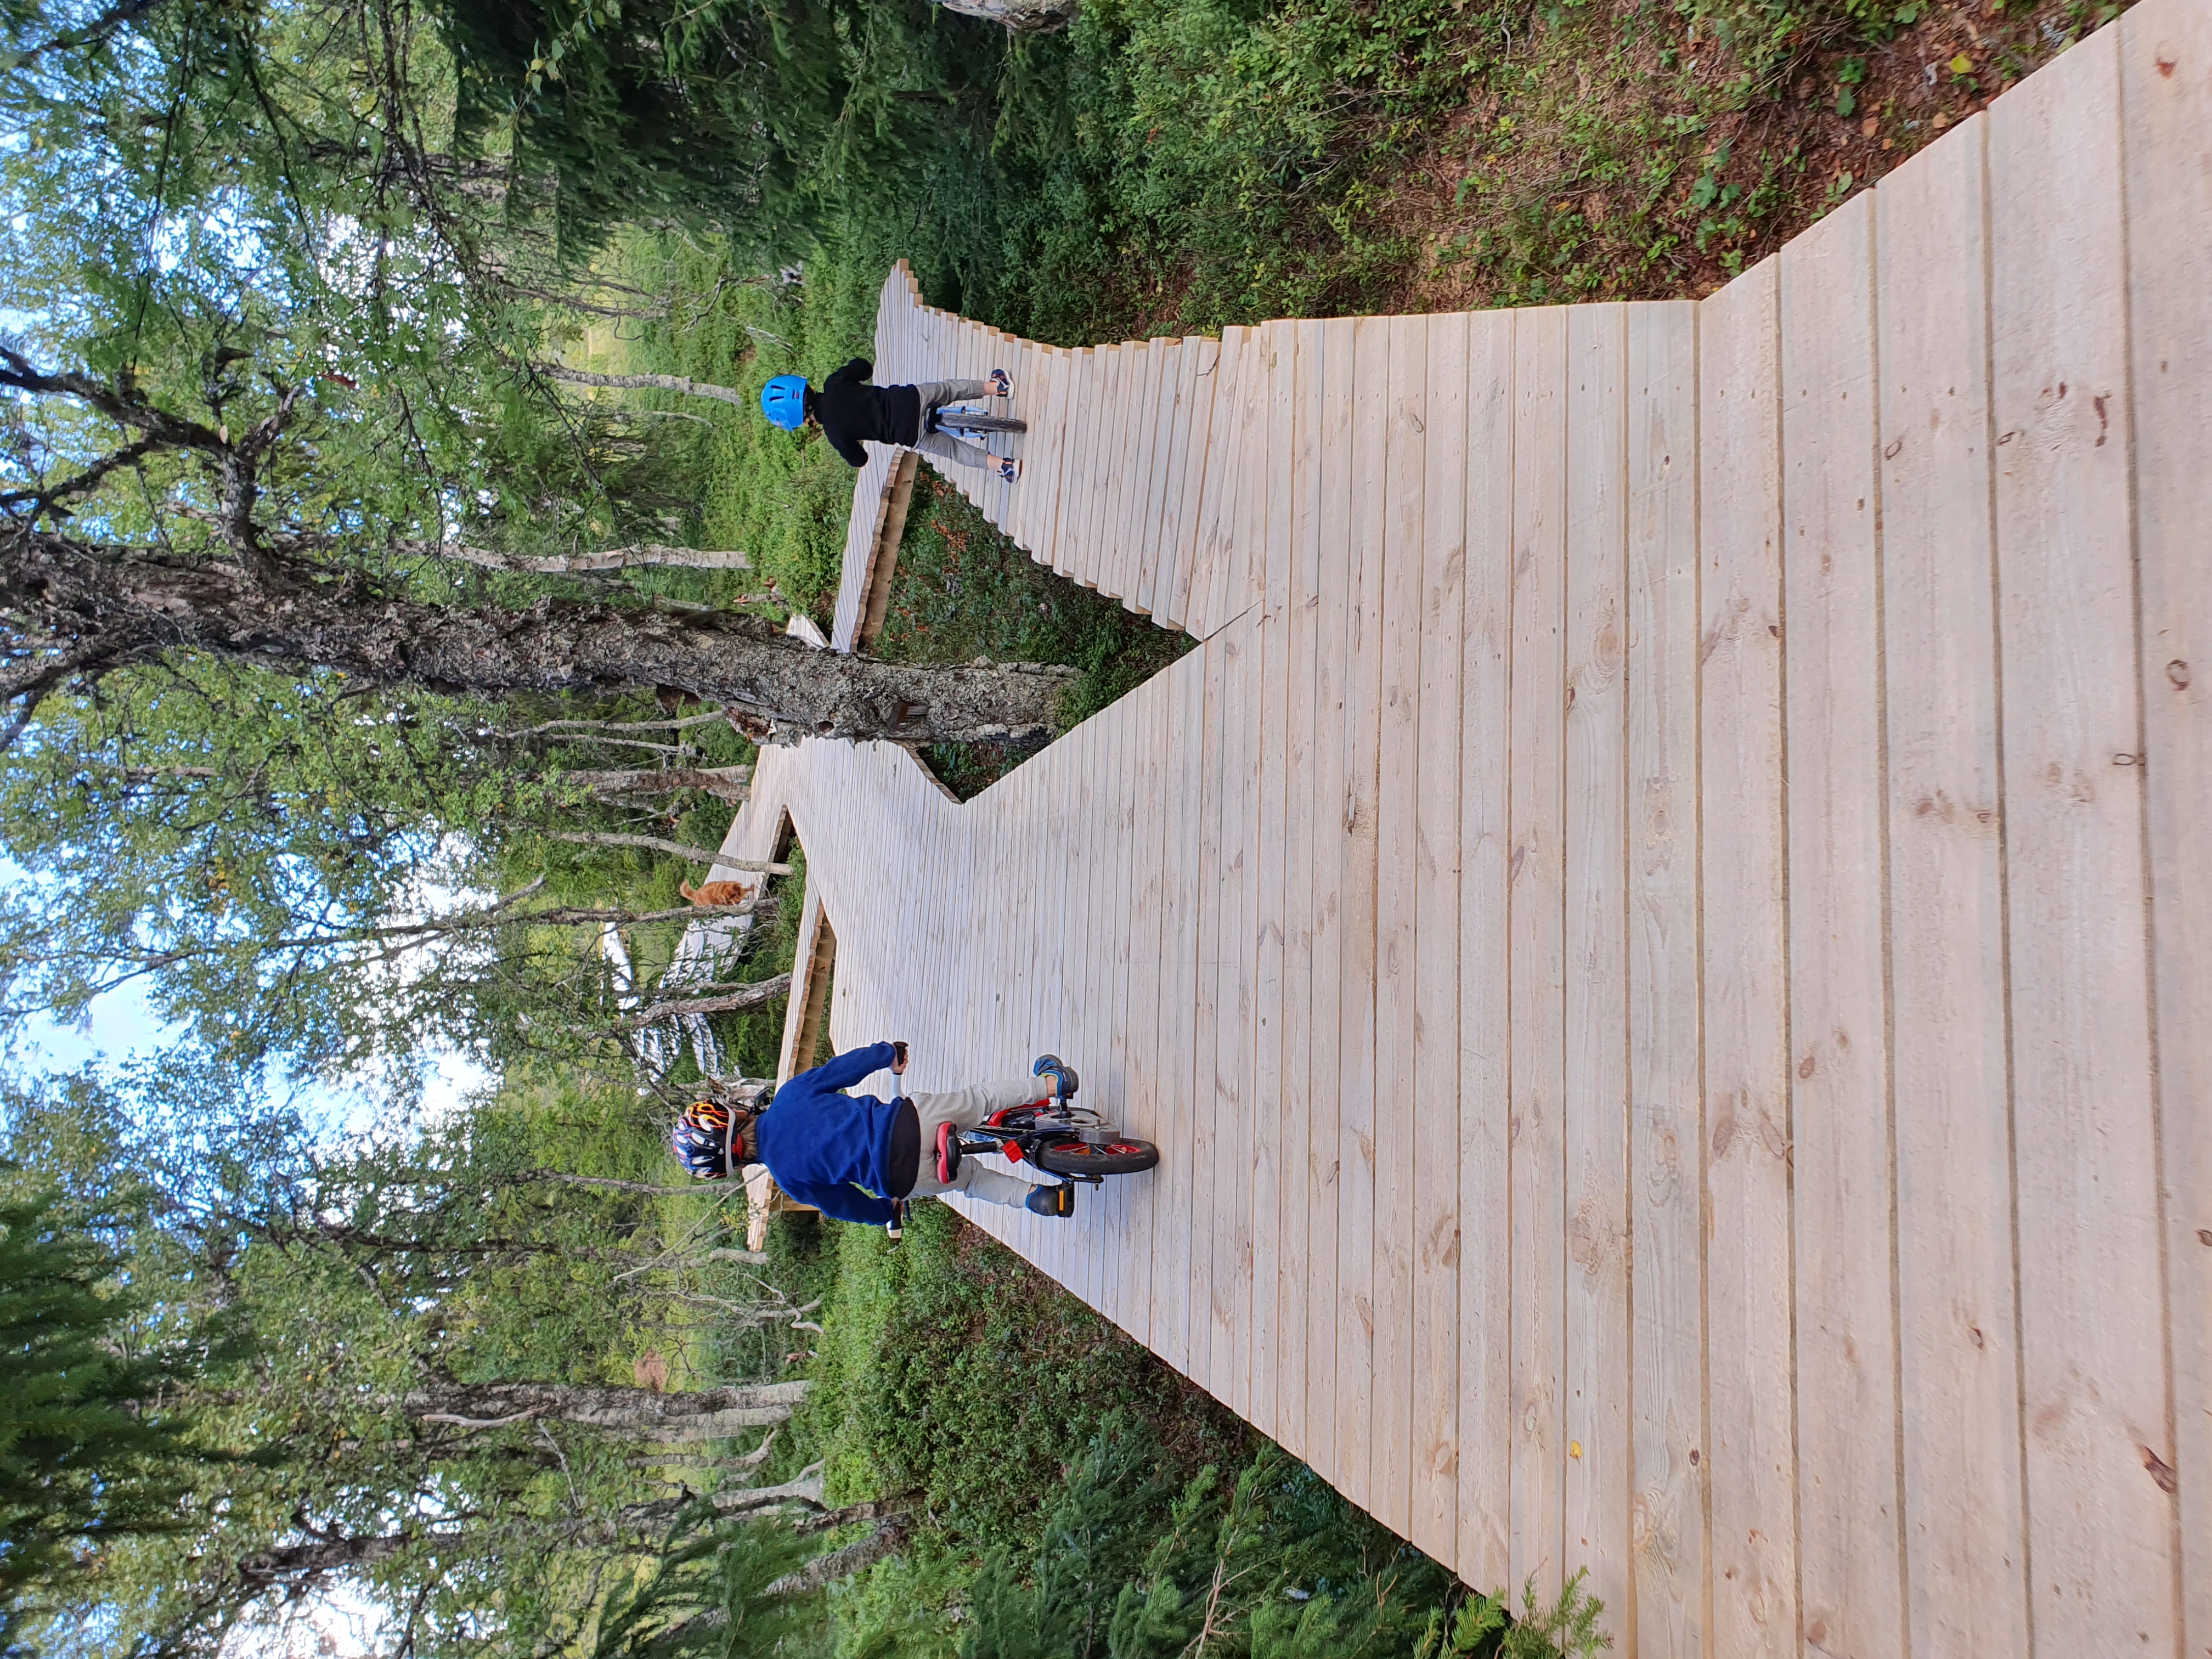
(1234, 1055)
(1122, 918)
(1748, 1280)
(1398, 547)
(1206, 1024)
(1134, 477)
(1172, 1229)
(1204, 380)
(1060, 954)
(1265, 1115)
(1033, 391)
(1224, 453)
(1486, 1278)
(1849, 1515)
(1595, 1117)
(994, 349)
(1536, 992)
(1155, 586)
(1091, 552)
(1332, 556)
(1105, 932)
(1028, 371)
(1081, 403)
(2092, 1327)
(1959, 1360)
(1434, 1099)
(1295, 1256)
(1146, 1103)
(1237, 585)
(1045, 462)
(1034, 396)
(1668, 1380)
(1132, 474)
(1357, 899)
(2166, 55)
(1158, 474)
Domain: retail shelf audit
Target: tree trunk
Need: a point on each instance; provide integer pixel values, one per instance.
(752, 996)
(488, 1404)
(655, 844)
(838, 1564)
(725, 782)
(294, 1567)
(582, 564)
(1018, 16)
(102, 608)
(642, 383)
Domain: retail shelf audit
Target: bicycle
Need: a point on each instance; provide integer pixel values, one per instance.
(958, 421)
(1056, 1135)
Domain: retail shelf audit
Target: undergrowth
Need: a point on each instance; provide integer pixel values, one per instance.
(962, 590)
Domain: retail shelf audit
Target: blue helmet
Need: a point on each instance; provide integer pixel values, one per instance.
(783, 400)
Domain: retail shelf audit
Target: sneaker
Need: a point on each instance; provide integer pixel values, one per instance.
(1009, 469)
(1058, 1200)
(948, 1154)
(1065, 1081)
(1002, 384)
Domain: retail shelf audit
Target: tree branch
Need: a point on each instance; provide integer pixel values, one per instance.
(43, 500)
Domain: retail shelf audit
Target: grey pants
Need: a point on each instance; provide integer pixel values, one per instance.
(966, 1108)
(935, 394)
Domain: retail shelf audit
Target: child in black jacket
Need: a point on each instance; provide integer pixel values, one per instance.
(851, 412)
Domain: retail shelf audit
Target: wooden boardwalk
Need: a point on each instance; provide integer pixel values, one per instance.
(1665, 933)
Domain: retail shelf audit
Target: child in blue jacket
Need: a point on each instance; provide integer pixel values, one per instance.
(852, 1156)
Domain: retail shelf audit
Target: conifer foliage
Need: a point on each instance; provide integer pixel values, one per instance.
(88, 1449)
(1274, 1565)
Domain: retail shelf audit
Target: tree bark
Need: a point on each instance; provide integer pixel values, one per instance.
(726, 783)
(294, 1566)
(825, 1569)
(655, 844)
(580, 564)
(473, 1405)
(1018, 16)
(101, 608)
(752, 996)
(642, 383)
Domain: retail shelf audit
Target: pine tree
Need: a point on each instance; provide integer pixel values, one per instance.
(90, 1451)
(1273, 1566)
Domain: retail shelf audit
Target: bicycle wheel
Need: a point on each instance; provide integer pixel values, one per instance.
(1072, 1158)
(962, 420)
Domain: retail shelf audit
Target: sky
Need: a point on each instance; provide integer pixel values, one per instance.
(122, 1023)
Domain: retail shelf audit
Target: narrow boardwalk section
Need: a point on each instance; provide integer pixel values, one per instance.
(1665, 933)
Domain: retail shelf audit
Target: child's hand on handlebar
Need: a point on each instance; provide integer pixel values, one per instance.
(898, 1057)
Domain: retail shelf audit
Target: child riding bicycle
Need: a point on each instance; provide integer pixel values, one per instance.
(858, 1159)
(850, 411)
